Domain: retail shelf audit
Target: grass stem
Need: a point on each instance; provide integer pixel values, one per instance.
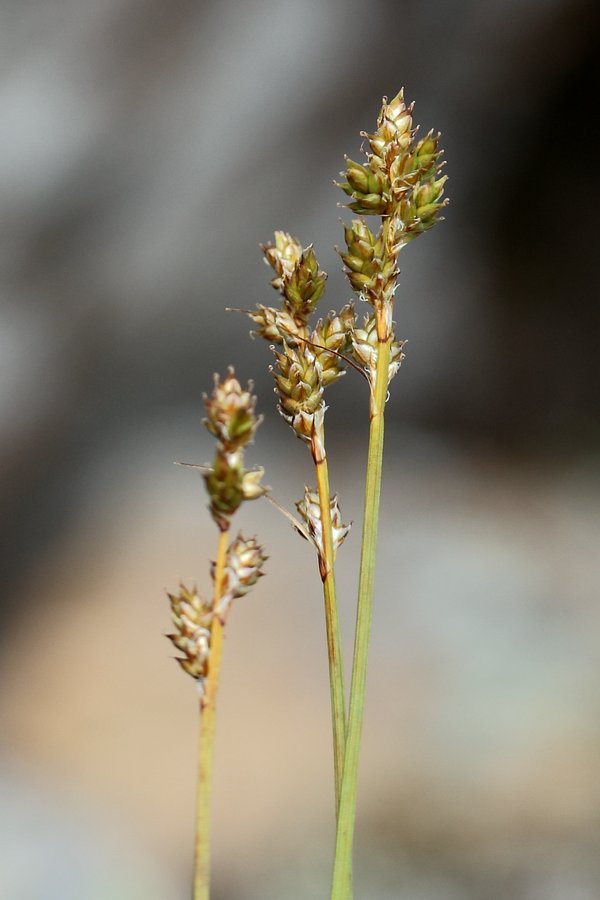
(207, 738)
(332, 625)
(347, 811)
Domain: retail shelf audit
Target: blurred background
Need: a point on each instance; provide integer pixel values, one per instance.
(147, 148)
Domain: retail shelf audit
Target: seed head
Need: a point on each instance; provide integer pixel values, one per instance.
(400, 179)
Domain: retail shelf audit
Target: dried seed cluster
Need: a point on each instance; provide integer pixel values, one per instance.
(399, 181)
(401, 177)
(308, 359)
(231, 418)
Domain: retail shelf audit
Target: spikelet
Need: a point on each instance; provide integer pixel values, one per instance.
(371, 269)
(368, 187)
(394, 133)
(192, 617)
(298, 277)
(330, 339)
(275, 325)
(243, 568)
(310, 513)
(283, 256)
(299, 386)
(307, 359)
(230, 413)
(365, 349)
(400, 177)
(228, 484)
(232, 420)
(400, 181)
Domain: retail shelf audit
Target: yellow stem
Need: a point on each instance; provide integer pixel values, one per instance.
(207, 738)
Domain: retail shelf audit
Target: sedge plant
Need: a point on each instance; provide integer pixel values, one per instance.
(199, 621)
(399, 183)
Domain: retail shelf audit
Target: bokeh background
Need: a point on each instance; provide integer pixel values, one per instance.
(147, 147)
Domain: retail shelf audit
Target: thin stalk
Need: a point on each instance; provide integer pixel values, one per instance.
(332, 624)
(207, 738)
(347, 812)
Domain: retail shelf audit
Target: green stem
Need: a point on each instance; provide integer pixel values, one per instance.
(332, 625)
(207, 739)
(347, 812)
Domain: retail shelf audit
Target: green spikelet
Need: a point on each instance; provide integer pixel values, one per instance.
(298, 277)
(371, 269)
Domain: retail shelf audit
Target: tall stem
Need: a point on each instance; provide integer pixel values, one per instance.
(332, 625)
(347, 811)
(207, 738)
